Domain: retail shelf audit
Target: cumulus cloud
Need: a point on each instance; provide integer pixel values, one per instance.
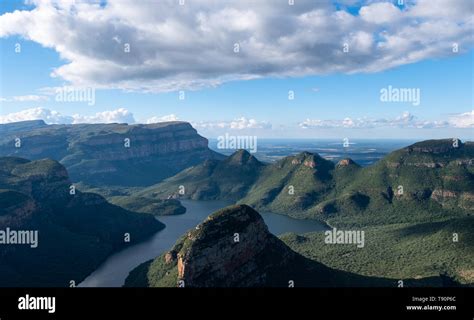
(236, 124)
(379, 13)
(49, 116)
(121, 115)
(173, 47)
(463, 120)
(54, 117)
(406, 120)
(169, 117)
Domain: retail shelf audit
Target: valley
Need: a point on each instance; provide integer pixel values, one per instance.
(411, 211)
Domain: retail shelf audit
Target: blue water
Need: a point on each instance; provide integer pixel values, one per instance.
(114, 271)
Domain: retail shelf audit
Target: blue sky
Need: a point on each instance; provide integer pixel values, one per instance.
(322, 98)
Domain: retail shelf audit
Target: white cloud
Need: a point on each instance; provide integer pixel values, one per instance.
(382, 12)
(236, 124)
(175, 47)
(121, 115)
(244, 123)
(167, 118)
(54, 117)
(406, 120)
(49, 116)
(463, 120)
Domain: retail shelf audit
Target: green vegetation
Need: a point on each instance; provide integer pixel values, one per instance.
(227, 179)
(126, 197)
(420, 183)
(399, 251)
(410, 204)
(76, 231)
(153, 273)
(156, 207)
(204, 257)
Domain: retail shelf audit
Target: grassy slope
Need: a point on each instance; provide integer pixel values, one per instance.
(399, 251)
(227, 179)
(290, 185)
(156, 207)
(408, 235)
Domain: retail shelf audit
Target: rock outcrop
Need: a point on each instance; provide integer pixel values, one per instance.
(233, 248)
(244, 253)
(110, 154)
(345, 163)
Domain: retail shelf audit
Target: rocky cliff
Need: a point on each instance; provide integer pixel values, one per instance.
(110, 154)
(233, 248)
(76, 231)
(430, 178)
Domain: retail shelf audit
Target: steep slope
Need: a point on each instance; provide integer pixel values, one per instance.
(21, 126)
(426, 181)
(153, 206)
(422, 182)
(400, 251)
(295, 183)
(110, 154)
(76, 231)
(211, 255)
(226, 179)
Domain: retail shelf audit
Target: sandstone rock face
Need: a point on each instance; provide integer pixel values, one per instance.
(230, 248)
(115, 154)
(310, 164)
(345, 163)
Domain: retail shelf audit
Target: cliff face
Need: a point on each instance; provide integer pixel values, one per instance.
(233, 248)
(76, 231)
(243, 252)
(115, 154)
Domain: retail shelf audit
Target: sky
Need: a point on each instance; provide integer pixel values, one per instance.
(314, 69)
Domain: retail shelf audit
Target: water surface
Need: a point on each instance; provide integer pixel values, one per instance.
(114, 271)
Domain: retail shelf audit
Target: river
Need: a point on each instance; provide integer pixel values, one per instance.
(114, 271)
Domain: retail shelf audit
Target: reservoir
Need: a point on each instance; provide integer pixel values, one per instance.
(114, 271)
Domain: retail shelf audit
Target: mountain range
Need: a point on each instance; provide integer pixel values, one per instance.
(415, 206)
(109, 154)
(86, 187)
(432, 178)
